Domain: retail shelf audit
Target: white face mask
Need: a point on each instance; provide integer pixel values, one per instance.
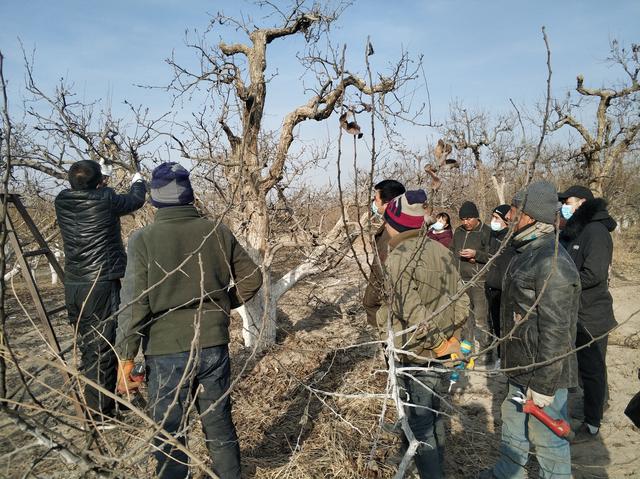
(374, 210)
(496, 226)
(438, 226)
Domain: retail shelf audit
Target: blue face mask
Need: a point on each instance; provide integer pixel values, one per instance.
(567, 211)
(437, 226)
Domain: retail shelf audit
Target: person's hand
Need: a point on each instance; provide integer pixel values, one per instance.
(468, 253)
(539, 400)
(137, 177)
(106, 170)
(125, 385)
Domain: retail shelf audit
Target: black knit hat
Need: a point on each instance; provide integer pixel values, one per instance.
(502, 211)
(468, 210)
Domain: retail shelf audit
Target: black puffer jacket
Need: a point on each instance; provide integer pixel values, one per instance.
(90, 224)
(548, 333)
(587, 238)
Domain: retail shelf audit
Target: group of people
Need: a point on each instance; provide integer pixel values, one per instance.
(536, 280)
(182, 274)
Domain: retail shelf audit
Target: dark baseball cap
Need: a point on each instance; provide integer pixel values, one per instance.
(578, 191)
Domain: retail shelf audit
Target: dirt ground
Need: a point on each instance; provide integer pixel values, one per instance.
(305, 409)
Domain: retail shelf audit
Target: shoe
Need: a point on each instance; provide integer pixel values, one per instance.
(583, 434)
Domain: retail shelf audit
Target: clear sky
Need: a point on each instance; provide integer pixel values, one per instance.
(481, 52)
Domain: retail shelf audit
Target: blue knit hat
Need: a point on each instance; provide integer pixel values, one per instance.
(170, 186)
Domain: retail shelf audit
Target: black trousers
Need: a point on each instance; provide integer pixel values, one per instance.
(89, 305)
(493, 298)
(592, 368)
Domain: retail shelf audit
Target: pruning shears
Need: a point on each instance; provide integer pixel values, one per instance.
(559, 427)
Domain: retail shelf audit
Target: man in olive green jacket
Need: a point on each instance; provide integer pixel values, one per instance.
(184, 274)
(421, 277)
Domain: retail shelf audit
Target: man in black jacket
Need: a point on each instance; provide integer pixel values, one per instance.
(587, 238)
(385, 191)
(539, 312)
(89, 219)
(495, 275)
(470, 246)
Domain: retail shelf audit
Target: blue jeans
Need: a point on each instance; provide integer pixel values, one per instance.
(520, 429)
(170, 387)
(424, 420)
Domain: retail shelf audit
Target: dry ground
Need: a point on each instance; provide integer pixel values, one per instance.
(290, 429)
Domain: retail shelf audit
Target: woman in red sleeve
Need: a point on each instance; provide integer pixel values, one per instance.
(441, 230)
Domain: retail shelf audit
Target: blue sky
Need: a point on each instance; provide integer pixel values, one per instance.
(478, 52)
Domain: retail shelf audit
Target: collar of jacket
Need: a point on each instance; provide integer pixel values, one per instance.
(85, 194)
(173, 212)
(477, 228)
(534, 243)
(590, 211)
(400, 237)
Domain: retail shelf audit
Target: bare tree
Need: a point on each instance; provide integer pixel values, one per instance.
(235, 73)
(490, 146)
(617, 123)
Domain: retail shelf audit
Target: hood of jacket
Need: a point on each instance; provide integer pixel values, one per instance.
(590, 211)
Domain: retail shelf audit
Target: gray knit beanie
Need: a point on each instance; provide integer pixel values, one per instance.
(538, 200)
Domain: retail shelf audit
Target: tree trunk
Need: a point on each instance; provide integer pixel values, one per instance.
(596, 175)
(499, 186)
(255, 331)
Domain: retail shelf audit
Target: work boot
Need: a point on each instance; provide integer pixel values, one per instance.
(584, 434)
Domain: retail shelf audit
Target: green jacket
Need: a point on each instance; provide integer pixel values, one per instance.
(478, 239)
(206, 259)
(373, 292)
(421, 277)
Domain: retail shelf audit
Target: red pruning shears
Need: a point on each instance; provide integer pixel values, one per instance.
(559, 427)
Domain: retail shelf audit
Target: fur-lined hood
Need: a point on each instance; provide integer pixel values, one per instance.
(590, 211)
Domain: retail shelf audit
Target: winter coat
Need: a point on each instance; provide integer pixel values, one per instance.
(544, 332)
(587, 238)
(421, 278)
(443, 238)
(499, 266)
(373, 292)
(89, 221)
(478, 239)
(205, 258)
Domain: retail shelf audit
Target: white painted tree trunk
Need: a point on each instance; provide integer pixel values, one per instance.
(54, 276)
(255, 332)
